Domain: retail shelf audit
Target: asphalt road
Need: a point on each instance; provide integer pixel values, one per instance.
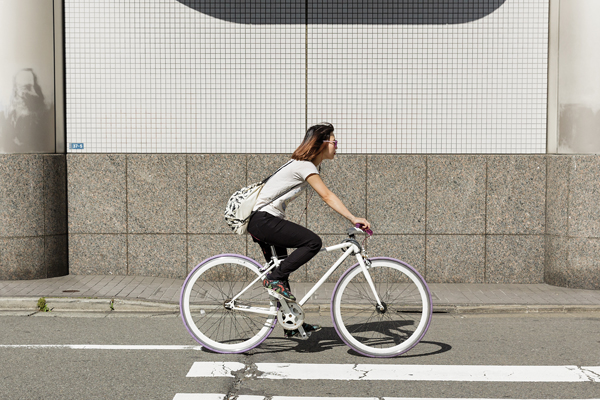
(66, 373)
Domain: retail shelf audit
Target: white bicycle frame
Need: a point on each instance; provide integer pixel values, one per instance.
(349, 248)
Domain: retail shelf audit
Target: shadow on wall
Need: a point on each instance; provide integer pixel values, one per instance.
(27, 123)
(367, 12)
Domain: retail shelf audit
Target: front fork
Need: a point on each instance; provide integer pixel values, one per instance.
(365, 263)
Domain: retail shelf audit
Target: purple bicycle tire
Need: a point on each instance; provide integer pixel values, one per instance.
(374, 259)
(185, 322)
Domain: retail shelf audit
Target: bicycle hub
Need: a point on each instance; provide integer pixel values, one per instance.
(381, 309)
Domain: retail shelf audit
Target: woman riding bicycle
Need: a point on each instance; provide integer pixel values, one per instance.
(269, 226)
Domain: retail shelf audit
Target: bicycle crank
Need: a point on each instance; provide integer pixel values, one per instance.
(290, 315)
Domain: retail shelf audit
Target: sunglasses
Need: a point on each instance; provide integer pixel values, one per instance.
(331, 141)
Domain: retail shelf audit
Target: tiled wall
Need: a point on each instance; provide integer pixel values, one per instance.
(33, 216)
(224, 76)
(455, 218)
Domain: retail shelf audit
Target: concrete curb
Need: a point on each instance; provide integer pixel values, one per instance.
(61, 304)
(514, 309)
(86, 305)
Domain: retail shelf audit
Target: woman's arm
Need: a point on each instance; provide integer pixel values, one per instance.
(333, 201)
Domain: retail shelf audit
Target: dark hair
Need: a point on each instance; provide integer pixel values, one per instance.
(313, 144)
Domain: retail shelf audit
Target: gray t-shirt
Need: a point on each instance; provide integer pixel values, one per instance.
(289, 176)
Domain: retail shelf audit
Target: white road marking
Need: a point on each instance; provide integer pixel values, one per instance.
(380, 372)
(213, 396)
(214, 369)
(98, 347)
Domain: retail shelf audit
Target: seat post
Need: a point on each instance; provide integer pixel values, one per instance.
(273, 254)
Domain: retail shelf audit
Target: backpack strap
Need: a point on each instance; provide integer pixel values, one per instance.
(280, 168)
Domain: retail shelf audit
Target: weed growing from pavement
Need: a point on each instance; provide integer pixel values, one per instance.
(42, 306)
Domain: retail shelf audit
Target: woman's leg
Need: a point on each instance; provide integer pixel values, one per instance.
(267, 252)
(281, 233)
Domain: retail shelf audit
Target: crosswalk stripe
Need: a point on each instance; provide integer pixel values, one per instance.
(369, 372)
(214, 396)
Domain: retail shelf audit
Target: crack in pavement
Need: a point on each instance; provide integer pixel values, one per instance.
(363, 372)
(592, 375)
(248, 373)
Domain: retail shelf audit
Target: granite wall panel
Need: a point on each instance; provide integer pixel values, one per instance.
(22, 258)
(396, 193)
(32, 216)
(556, 260)
(514, 259)
(516, 195)
(573, 234)
(455, 258)
(98, 254)
(157, 255)
(456, 187)
(584, 197)
(408, 248)
(583, 269)
(156, 193)
(56, 255)
(557, 194)
(55, 195)
(21, 195)
(97, 193)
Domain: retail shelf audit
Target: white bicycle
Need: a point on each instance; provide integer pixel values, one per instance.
(380, 307)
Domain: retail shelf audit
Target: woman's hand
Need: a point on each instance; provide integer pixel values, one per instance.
(364, 224)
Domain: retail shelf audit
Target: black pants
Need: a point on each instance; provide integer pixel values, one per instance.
(267, 230)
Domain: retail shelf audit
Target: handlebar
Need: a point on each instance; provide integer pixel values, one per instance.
(367, 230)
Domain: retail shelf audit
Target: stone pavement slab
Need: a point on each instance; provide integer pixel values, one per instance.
(145, 291)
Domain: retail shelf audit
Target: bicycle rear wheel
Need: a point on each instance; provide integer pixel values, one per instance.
(205, 311)
(381, 333)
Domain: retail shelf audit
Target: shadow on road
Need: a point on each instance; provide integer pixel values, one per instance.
(328, 339)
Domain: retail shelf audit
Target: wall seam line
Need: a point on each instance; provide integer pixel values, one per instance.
(485, 227)
(546, 197)
(127, 214)
(426, 215)
(306, 66)
(44, 205)
(187, 237)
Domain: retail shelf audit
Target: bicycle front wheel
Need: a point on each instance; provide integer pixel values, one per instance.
(206, 308)
(377, 332)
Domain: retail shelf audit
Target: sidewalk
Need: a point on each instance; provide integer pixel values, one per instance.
(134, 293)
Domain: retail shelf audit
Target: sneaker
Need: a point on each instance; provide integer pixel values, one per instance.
(308, 328)
(280, 287)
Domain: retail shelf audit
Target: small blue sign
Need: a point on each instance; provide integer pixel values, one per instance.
(76, 146)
